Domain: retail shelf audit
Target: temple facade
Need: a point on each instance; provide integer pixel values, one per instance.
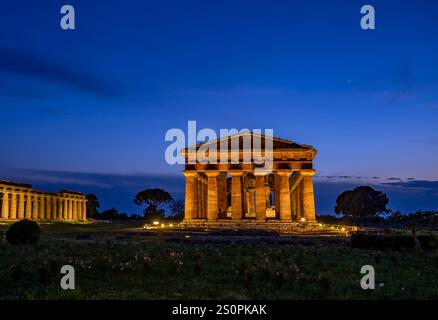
(244, 192)
(19, 201)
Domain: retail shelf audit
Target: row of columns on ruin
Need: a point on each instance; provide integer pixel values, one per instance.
(39, 206)
(207, 195)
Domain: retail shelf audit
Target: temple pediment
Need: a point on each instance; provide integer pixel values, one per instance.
(246, 139)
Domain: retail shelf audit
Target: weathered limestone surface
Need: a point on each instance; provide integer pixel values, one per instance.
(19, 201)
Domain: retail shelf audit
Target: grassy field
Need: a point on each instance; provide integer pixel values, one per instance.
(126, 262)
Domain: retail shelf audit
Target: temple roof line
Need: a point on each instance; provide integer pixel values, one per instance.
(12, 184)
(278, 143)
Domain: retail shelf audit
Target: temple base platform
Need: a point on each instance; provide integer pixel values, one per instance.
(251, 224)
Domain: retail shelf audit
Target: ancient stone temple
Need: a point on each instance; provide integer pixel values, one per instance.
(236, 191)
(20, 201)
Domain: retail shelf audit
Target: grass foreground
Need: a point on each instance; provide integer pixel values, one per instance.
(126, 262)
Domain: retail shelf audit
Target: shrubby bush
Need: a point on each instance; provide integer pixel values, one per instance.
(23, 232)
(392, 242)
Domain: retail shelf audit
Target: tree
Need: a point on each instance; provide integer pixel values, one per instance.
(109, 214)
(92, 205)
(177, 207)
(361, 203)
(153, 199)
(415, 222)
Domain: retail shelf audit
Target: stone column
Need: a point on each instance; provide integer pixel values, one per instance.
(70, 209)
(79, 209)
(285, 211)
(64, 208)
(250, 199)
(28, 214)
(36, 207)
(277, 203)
(60, 207)
(212, 200)
(268, 196)
(206, 198)
(191, 203)
(222, 194)
(298, 200)
(21, 205)
(55, 213)
(49, 207)
(236, 195)
(75, 209)
(307, 195)
(84, 210)
(13, 208)
(294, 204)
(81, 205)
(260, 196)
(5, 206)
(42, 211)
(199, 199)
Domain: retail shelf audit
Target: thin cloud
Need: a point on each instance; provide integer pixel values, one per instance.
(28, 64)
(417, 184)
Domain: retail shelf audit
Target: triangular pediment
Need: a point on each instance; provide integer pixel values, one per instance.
(245, 137)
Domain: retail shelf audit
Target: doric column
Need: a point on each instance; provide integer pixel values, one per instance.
(191, 196)
(64, 208)
(5, 205)
(59, 208)
(28, 214)
(268, 195)
(70, 209)
(298, 200)
(206, 198)
(293, 207)
(42, 211)
(307, 195)
(199, 194)
(84, 210)
(49, 207)
(284, 191)
(277, 195)
(21, 205)
(236, 195)
(222, 194)
(250, 200)
(36, 207)
(55, 215)
(13, 209)
(75, 209)
(260, 192)
(212, 199)
(79, 209)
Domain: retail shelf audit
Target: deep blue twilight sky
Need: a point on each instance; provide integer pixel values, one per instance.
(87, 109)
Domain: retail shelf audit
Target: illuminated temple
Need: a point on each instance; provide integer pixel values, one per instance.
(20, 201)
(239, 192)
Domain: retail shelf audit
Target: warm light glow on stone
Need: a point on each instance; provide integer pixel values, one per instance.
(234, 193)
